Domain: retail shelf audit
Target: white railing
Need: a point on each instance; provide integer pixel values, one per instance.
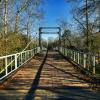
(10, 63)
(86, 60)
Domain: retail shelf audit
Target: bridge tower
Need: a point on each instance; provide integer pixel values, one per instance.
(58, 31)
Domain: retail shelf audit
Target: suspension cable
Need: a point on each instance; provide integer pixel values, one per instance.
(28, 44)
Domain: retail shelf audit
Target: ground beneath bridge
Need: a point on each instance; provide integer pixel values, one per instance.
(47, 77)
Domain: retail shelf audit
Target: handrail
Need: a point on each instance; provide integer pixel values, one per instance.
(13, 54)
(86, 60)
(10, 63)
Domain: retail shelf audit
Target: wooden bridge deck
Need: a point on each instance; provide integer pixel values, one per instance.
(47, 78)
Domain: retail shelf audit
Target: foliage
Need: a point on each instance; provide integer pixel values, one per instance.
(13, 43)
(17, 18)
(86, 14)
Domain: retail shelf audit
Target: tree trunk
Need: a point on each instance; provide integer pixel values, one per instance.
(5, 16)
(87, 23)
(5, 25)
(16, 22)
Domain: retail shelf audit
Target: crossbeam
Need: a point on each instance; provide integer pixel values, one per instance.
(50, 27)
(49, 33)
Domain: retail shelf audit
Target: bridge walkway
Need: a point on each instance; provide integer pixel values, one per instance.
(47, 77)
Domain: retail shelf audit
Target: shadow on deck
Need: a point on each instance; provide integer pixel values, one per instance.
(55, 79)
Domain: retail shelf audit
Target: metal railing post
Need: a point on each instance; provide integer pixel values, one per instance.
(6, 66)
(15, 61)
(78, 57)
(84, 60)
(21, 57)
(74, 55)
(25, 56)
(11, 63)
(71, 54)
(94, 63)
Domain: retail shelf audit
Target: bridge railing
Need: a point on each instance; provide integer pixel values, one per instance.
(10, 63)
(86, 60)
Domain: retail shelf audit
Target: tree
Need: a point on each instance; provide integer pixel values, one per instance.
(67, 36)
(16, 22)
(84, 15)
(5, 16)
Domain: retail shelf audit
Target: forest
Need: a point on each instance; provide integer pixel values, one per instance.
(17, 19)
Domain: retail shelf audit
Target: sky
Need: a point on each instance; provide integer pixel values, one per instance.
(54, 10)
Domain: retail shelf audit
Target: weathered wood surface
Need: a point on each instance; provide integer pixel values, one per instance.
(52, 78)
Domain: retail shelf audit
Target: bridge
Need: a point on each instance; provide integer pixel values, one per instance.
(58, 74)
